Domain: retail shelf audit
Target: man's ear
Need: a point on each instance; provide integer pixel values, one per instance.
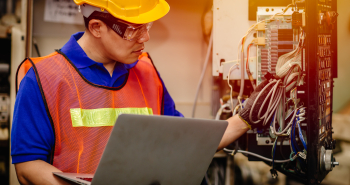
(95, 27)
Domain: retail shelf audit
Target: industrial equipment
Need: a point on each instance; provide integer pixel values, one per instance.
(295, 48)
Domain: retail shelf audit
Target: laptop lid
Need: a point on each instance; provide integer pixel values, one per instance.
(158, 150)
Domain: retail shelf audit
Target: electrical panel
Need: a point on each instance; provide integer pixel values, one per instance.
(296, 48)
(280, 38)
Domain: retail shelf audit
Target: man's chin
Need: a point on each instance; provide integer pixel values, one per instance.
(130, 60)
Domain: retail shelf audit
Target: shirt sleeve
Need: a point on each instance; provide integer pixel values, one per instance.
(169, 104)
(32, 135)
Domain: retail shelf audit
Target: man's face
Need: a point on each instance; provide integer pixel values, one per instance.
(118, 49)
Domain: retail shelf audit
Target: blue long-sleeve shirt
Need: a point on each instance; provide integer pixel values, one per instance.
(32, 136)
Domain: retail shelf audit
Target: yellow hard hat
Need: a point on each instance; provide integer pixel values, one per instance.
(134, 11)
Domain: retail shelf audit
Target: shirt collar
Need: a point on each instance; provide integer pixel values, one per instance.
(79, 58)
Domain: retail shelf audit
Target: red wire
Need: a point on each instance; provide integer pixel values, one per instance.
(247, 66)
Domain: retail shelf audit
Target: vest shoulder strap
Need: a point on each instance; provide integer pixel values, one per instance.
(26, 64)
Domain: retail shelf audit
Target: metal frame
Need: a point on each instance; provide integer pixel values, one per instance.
(314, 174)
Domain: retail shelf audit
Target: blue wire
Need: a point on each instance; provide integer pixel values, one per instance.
(272, 118)
(292, 139)
(295, 146)
(274, 146)
(289, 114)
(273, 156)
(295, 142)
(301, 136)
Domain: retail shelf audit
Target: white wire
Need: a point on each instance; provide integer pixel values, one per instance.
(235, 111)
(240, 95)
(274, 96)
(286, 128)
(203, 72)
(287, 60)
(218, 114)
(228, 82)
(259, 156)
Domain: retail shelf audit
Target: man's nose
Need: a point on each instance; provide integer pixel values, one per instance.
(144, 38)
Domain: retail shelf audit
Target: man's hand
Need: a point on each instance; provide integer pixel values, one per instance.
(37, 172)
(236, 127)
(250, 113)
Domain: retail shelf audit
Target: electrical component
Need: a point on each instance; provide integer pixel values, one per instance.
(327, 161)
(297, 19)
(236, 74)
(280, 39)
(303, 19)
(259, 41)
(260, 26)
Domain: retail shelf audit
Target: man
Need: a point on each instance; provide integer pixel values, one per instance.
(68, 101)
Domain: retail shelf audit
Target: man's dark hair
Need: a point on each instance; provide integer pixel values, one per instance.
(86, 22)
(109, 20)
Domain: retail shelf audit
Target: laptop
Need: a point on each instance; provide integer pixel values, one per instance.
(155, 150)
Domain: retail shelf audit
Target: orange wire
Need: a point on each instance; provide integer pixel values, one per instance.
(247, 66)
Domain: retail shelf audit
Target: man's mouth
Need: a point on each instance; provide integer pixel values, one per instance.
(140, 50)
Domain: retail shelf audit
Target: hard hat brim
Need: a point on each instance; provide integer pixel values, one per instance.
(159, 11)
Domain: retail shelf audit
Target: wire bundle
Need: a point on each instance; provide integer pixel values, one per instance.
(274, 96)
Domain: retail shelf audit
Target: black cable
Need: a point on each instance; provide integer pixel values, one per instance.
(281, 144)
(36, 48)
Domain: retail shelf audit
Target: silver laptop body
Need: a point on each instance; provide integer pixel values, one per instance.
(157, 150)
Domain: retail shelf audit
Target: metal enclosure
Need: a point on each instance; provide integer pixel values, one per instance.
(319, 80)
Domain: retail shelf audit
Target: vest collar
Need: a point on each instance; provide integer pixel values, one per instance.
(79, 58)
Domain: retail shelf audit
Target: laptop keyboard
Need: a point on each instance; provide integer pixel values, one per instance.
(85, 179)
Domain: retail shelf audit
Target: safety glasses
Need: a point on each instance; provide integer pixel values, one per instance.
(125, 30)
(135, 32)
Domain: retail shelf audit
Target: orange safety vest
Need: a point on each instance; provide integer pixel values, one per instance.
(79, 149)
